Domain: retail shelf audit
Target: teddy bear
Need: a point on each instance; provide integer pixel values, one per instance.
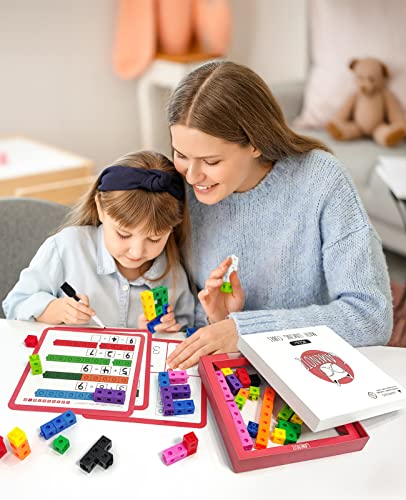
(372, 110)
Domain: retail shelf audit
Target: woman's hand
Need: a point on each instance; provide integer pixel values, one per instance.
(217, 304)
(168, 323)
(211, 339)
(67, 310)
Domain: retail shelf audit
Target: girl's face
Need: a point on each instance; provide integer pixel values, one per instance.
(214, 167)
(132, 248)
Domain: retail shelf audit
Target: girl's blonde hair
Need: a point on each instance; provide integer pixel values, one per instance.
(231, 102)
(156, 212)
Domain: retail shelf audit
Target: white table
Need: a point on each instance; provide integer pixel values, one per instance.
(138, 473)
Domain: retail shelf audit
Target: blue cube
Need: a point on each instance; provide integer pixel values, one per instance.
(190, 331)
(163, 379)
(58, 424)
(184, 407)
(252, 429)
(152, 324)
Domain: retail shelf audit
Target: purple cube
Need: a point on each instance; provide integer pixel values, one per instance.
(109, 396)
(166, 394)
(233, 383)
(180, 391)
(168, 408)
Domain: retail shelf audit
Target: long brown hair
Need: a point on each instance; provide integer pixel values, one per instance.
(156, 212)
(231, 102)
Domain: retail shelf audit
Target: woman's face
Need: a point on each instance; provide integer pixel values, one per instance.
(214, 167)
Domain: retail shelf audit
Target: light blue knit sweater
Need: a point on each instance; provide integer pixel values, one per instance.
(308, 254)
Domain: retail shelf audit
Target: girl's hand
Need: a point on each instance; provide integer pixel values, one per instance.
(211, 339)
(168, 323)
(217, 304)
(142, 322)
(67, 310)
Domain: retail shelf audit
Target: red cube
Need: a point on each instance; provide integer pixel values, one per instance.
(3, 449)
(243, 377)
(31, 341)
(190, 442)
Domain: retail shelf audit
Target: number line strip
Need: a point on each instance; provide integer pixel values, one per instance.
(52, 393)
(75, 343)
(78, 359)
(117, 347)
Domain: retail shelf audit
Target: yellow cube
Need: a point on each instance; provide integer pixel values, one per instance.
(16, 437)
(148, 304)
(278, 436)
(227, 371)
(296, 419)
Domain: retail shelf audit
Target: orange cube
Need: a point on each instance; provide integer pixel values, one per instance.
(22, 451)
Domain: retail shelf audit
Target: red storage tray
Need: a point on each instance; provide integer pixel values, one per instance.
(351, 437)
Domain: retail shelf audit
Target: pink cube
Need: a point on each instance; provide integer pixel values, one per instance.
(224, 386)
(174, 454)
(245, 438)
(178, 376)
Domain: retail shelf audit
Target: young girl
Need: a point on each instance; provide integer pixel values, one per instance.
(128, 235)
(285, 206)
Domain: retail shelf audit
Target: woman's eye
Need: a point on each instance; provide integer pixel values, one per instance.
(154, 241)
(211, 163)
(122, 236)
(180, 155)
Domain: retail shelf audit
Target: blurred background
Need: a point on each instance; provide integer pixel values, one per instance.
(57, 81)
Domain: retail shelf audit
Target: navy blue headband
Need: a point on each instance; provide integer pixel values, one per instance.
(122, 178)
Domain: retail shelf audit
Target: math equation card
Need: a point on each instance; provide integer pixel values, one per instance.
(149, 392)
(76, 363)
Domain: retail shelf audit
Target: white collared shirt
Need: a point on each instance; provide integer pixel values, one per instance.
(79, 256)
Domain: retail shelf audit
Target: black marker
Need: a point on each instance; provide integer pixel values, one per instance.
(70, 292)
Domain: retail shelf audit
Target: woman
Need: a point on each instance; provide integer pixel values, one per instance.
(281, 203)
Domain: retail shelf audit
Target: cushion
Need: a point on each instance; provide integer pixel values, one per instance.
(344, 30)
(359, 158)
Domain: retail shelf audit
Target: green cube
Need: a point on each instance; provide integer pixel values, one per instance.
(160, 295)
(240, 401)
(290, 427)
(35, 364)
(285, 413)
(61, 444)
(254, 393)
(291, 437)
(226, 287)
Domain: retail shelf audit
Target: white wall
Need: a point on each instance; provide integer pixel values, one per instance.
(56, 79)
(270, 36)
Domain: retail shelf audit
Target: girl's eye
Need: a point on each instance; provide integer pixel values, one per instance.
(122, 236)
(154, 241)
(211, 163)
